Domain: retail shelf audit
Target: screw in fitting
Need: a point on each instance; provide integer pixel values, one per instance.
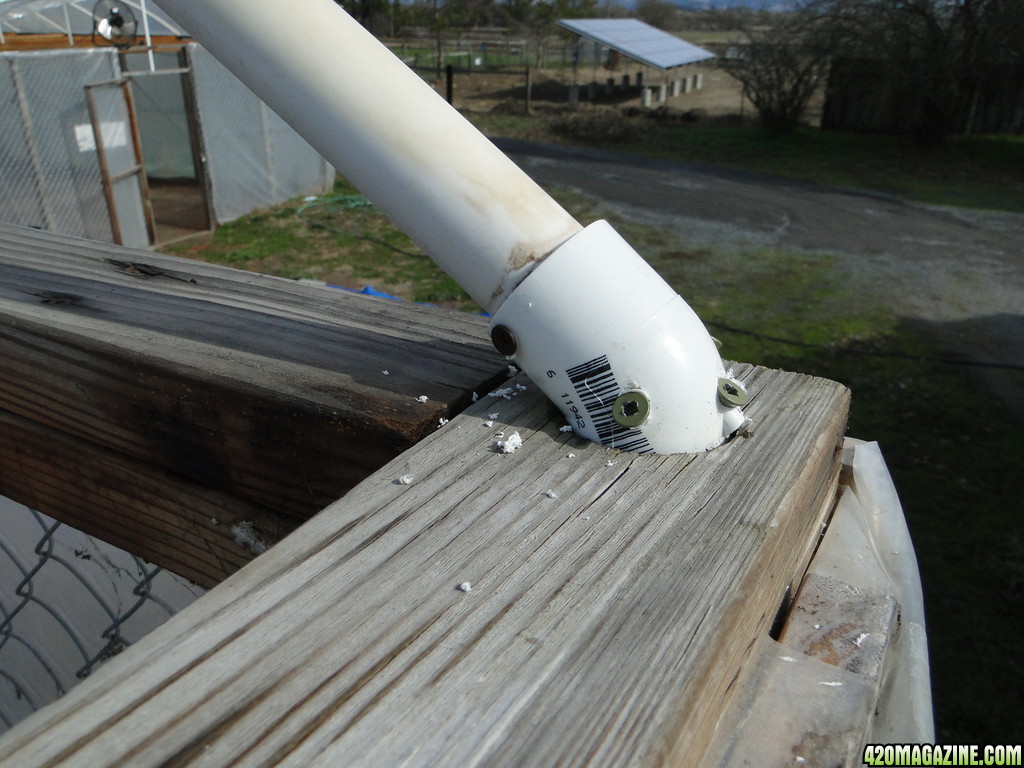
(732, 394)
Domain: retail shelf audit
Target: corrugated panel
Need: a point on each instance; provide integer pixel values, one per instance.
(640, 42)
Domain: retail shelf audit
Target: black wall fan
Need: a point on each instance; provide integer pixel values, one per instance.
(114, 22)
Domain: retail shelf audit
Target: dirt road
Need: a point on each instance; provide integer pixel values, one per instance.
(958, 273)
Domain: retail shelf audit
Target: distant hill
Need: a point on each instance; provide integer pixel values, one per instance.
(768, 5)
(706, 5)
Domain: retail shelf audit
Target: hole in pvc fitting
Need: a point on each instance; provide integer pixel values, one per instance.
(504, 340)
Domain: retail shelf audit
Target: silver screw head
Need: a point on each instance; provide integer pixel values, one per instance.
(631, 408)
(732, 394)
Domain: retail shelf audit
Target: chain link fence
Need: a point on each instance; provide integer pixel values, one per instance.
(68, 603)
(51, 179)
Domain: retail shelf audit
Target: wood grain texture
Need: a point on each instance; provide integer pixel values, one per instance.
(183, 526)
(614, 600)
(259, 389)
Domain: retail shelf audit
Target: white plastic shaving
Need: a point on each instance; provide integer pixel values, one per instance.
(488, 423)
(830, 684)
(404, 480)
(422, 399)
(514, 441)
(386, 372)
(492, 415)
(505, 392)
(246, 536)
(566, 428)
(465, 587)
(551, 494)
(512, 371)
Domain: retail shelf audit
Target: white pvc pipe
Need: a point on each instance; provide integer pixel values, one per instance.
(472, 210)
(614, 347)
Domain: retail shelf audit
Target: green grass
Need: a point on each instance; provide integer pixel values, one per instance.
(971, 171)
(350, 246)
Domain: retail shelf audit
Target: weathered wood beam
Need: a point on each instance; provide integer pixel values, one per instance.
(609, 604)
(195, 531)
(58, 40)
(277, 395)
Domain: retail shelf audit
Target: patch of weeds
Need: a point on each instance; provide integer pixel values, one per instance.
(601, 127)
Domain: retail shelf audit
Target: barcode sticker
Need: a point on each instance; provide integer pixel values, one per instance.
(595, 385)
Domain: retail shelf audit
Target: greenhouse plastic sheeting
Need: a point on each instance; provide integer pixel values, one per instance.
(51, 179)
(162, 115)
(255, 159)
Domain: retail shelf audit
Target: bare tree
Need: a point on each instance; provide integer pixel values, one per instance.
(781, 64)
(658, 13)
(537, 20)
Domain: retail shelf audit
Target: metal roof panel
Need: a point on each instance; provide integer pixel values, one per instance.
(639, 41)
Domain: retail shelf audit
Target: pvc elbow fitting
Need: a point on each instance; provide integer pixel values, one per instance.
(623, 356)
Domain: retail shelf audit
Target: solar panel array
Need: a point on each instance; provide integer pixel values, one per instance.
(638, 41)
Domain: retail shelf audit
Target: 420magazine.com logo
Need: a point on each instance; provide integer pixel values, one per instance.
(938, 754)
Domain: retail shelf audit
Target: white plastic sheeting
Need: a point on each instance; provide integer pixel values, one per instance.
(254, 160)
(162, 115)
(868, 546)
(49, 16)
(48, 161)
(51, 177)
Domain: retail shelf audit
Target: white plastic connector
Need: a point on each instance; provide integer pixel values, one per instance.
(621, 354)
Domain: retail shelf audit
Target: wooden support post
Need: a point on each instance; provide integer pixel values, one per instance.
(529, 90)
(202, 387)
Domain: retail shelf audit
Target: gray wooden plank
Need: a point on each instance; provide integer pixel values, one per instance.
(614, 601)
(277, 395)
